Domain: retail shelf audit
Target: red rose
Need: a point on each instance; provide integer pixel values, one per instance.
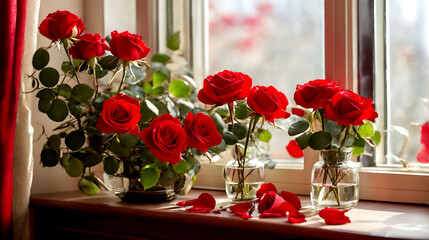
(89, 46)
(120, 114)
(166, 138)
(225, 87)
(265, 187)
(269, 102)
(128, 46)
(347, 108)
(334, 216)
(273, 205)
(61, 25)
(315, 94)
(201, 131)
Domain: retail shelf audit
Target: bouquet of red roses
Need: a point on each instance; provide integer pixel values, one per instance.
(144, 127)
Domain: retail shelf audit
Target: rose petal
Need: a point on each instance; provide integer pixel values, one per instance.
(334, 216)
(270, 215)
(423, 155)
(296, 217)
(266, 187)
(242, 209)
(204, 203)
(298, 112)
(294, 150)
(291, 198)
(187, 203)
(216, 211)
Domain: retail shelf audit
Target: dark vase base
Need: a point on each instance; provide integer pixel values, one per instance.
(148, 196)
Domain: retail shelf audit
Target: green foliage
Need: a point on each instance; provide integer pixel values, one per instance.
(49, 158)
(58, 110)
(179, 88)
(366, 130)
(240, 131)
(148, 111)
(161, 58)
(264, 135)
(40, 59)
(219, 148)
(44, 105)
(158, 78)
(181, 167)
(76, 110)
(108, 62)
(92, 159)
(46, 94)
(54, 142)
(64, 90)
(358, 147)
(74, 167)
(173, 42)
(110, 165)
(320, 140)
(298, 127)
(376, 137)
(303, 140)
(149, 176)
(229, 138)
(242, 111)
(218, 121)
(75, 140)
(87, 187)
(49, 77)
(128, 140)
(82, 93)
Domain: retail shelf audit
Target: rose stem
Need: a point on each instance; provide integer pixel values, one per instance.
(231, 113)
(123, 78)
(71, 64)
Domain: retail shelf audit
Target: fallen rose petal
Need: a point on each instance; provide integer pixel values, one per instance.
(294, 150)
(216, 211)
(204, 203)
(266, 187)
(334, 216)
(291, 198)
(296, 217)
(186, 203)
(242, 209)
(270, 215)
(298, 112)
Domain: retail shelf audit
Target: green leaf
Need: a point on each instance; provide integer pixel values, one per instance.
(173, 42)
(303, 140)
(100, 73)
(67, 69)
(64, 159)
(111, 165)
(320, 140)
(181, 167)
(219, 148)
(44, 105)
(185, 108)
(40, 59)
(376, 137)
(358, 147)
(162, 58)
(149, 176)
(46, 94)
(76, 110)
(158, 90)
(92, 159)
(179, 88)
(159, 67)
(54, 142)
(82, 93)
(74, 167)
(128, 140)
(167, 178)
(298, 127)
(117, 148)
(148, 111)
(49, 158)
(229, 138)
(147, 87)
(366, 130)
(58, 110)
(240, 131)
(64, 90)
(87, 187)
(108, 62)
(98, 102)
(75, 140)
(333, 128)
(242, 111)
(222, 111)
(218, 121)
(49, 77)
(264, 136)
(158, 78)
(139, 92)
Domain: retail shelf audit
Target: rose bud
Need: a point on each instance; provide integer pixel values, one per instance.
(61, 25)
(128, 46)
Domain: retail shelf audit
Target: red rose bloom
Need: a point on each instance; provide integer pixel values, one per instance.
(128, 46)
(120, 114)
(225, 87)
(273, 205)
(201, 131)
(89, 46)
(265, 187)
(269, 102)
(166, 138)
(315, 94)
(347, 108)
(60, 24)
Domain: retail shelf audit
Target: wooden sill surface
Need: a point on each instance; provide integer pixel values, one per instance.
(369, 220)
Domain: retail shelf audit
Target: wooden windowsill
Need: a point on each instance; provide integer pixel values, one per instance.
(106, 217)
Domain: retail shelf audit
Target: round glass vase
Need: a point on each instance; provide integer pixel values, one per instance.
(335, 180)
(242, 180)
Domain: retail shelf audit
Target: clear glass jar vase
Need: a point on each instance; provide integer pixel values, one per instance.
(243, 178)
(335, 180)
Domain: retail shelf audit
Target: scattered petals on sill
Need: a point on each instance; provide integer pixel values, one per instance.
(296, 217)
(216, 211)
(270, 215)
(334, 216)
(204, 203)
(294, 150)
(291, 198)
(242, 209)
(266, 187)
(186, 203)
(298, 112)
(273, 205)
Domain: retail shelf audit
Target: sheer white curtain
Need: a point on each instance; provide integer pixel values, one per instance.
(23, 150)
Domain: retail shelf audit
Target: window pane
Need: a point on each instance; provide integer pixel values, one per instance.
(408, 25)
(277, 42)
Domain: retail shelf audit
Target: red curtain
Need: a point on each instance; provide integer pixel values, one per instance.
(12, 29)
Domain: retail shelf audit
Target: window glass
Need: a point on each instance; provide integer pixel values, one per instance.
(120, 16)
(408, 55)
(277, 42)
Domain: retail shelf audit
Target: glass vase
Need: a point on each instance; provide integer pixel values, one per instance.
(243, 178)
(335, 180)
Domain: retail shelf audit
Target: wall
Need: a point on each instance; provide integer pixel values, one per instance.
(53, 179)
